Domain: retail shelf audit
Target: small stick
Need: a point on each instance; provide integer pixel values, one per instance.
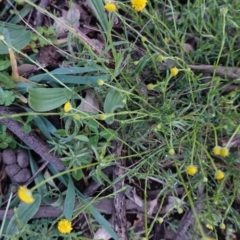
(31, 139)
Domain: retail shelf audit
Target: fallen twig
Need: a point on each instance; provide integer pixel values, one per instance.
(31, 139)
(120, 221)
(229, 72)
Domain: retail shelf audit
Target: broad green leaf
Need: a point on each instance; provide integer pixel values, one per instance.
(46, 99)
(4, 64)
(77, 175)
(25, 212)
(70, 199)
(114, 100)
(69, 78)
(19, 36)
(82, 138)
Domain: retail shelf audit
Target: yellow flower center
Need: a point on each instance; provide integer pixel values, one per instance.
(219, 175)
(191, 170)
(217, 150)
(67, 107)
(64, 226)
(174, 71)
(224, 152)
(25, 195)
(111, 7)
(138, 5)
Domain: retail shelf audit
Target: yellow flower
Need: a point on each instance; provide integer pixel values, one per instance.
(138, 5)
(224, 152)
(209, 226)
(222, 226)
(191, 170)
(111, 7)
(144, 39)
(160, 220)
(100, 82)
(160, 58)
(217, 150)
(219, 175)
(167, 40)
(174, 71)
(171, 152)
(180, 210)
(25, 195)
(64, 226)
(150, 86)
(67, 107)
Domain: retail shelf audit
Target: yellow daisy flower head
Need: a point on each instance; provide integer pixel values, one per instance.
(222, 226)
(174, 71)
(67, 107)
(138, 5)
(150, 86)
(100, 82)
(25, 195)
(160, 220)
(160, 58)
(171, 152)
(191, 170)
(111, 7)
(64, 226)
(224, 152)
(219, 175)
(180, 210)
(217, 150)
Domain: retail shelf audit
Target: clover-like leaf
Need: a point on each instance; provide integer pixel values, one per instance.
(6, 97)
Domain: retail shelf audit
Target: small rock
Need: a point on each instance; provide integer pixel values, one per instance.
(9, 156)
(12, 170)
(22, 158)
(22, 176)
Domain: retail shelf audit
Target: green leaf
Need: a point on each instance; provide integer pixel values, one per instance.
(19, 36)
(77, 175)
(63, 75)
(82, 138)
(46, 99)
(114, 100)
(108, 134)
(4, 64)
(6, 97)
(24, 214)
(5, 81)
(42, 188)
(70, 200)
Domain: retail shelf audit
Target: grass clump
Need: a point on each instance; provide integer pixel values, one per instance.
(156, 87)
